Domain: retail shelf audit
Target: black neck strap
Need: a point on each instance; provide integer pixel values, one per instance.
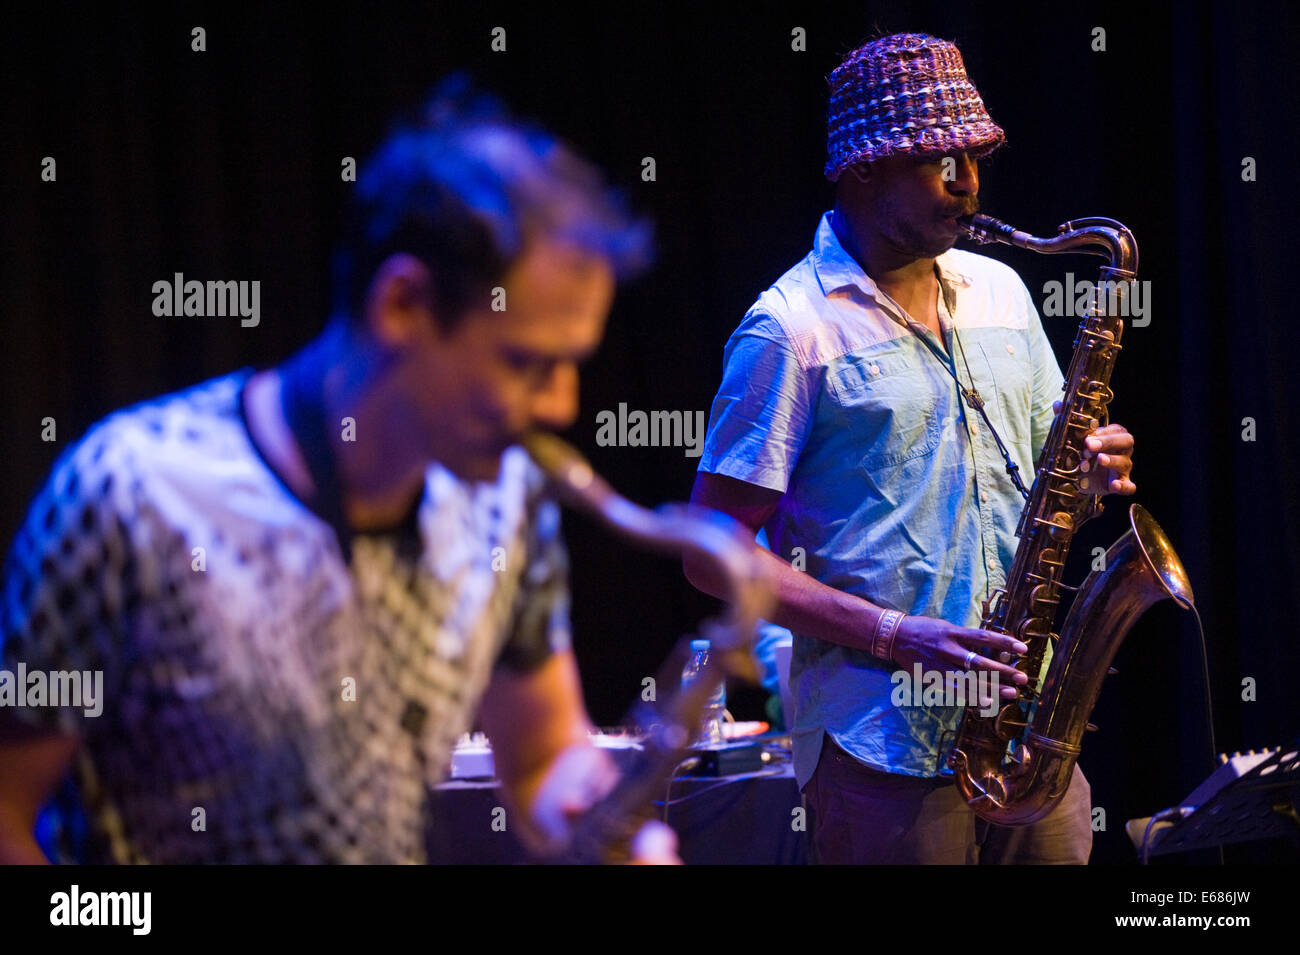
(972, 396)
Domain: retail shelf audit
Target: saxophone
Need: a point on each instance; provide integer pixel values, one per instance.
(604, 832)
(1014, 767)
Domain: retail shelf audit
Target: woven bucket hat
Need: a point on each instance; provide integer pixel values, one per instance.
(906, 93)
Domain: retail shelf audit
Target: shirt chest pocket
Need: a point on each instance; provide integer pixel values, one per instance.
(1007, 358)
(888, 405)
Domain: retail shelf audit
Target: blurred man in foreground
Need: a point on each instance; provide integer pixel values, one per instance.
(301, 583)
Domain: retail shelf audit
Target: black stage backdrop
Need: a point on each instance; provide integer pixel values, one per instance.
(225, 164)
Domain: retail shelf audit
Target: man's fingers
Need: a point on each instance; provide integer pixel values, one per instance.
(1120, 464)
(1005, 671)
(1112, 428)
(655, 844)
(1000, 646)
(577, 778)
(979, 640)
(1119, 442)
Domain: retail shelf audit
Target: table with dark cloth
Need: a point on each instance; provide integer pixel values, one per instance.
(747, 819)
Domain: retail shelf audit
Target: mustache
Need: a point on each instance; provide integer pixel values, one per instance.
(968, 209)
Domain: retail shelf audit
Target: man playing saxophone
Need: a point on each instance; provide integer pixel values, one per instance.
(878, 406)
(363, 595)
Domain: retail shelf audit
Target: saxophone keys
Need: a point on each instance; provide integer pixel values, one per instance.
(1043, 600)
(1062, 525)
(989, 604)
(1050, 558)
(1010, 721)
(1091, 728)
(1068, 491)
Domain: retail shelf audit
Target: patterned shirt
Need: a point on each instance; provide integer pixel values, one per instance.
(267, 699)
(892, 489)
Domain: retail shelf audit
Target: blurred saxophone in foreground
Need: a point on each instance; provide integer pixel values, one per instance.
(670, 722)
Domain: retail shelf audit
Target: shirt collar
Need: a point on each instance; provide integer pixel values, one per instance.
(836, 269)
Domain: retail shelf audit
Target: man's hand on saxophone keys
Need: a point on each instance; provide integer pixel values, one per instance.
(1107, 460)
(939, 646)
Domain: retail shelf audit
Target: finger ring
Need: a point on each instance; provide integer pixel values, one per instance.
(970, 657)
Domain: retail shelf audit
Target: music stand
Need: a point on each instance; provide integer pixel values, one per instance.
(1250, 796)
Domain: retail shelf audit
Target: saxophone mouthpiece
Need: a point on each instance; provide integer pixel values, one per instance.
(985, 229)
(553, 455)
(567, 469)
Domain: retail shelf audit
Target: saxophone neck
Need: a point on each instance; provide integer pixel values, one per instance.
(677, 529)
(1094, 235)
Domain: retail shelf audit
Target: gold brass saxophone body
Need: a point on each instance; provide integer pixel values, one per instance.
(1014, 767)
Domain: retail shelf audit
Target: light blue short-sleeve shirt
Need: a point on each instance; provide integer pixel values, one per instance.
(893, 490)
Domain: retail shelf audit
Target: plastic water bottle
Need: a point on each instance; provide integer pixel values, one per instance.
(711, 727)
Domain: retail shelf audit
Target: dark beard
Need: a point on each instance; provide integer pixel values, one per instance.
(908, 238)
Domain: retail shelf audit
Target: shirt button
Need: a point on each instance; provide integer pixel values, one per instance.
(874, 369)
(984, 495)
(1011, 349)
(974, 428)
